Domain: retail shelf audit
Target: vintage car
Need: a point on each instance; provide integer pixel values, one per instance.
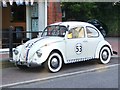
(63, 42)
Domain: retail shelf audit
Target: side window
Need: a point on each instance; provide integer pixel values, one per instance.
(77, 32)
(91, 32)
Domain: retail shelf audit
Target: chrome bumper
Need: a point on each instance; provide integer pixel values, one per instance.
(25, 63)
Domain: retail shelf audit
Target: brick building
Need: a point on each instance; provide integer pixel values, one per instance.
(54, 12)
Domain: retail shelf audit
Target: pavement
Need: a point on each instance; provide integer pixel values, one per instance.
(4, 53)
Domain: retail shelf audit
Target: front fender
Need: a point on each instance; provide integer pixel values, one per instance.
(19, 49)
(46, 50)
(101, 44)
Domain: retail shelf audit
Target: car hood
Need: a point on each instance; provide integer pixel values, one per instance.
(31, 46)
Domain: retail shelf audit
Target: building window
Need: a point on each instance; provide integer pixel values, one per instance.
(18, 13)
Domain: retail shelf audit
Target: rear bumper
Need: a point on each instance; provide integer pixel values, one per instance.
(115, 52)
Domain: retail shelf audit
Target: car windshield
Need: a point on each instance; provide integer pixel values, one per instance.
(54, 30)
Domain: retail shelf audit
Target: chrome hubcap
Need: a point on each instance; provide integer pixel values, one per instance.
(54, 62)
(105, 55)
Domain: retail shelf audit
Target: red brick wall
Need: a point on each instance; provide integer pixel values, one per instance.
(54, 12)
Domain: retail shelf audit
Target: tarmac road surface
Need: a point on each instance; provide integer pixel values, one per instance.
(87, 74)
(107, 78)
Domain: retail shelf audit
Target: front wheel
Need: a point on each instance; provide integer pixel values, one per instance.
(105, 55)
(54, 62)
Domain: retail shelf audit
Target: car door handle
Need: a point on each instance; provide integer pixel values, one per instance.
(85, 41)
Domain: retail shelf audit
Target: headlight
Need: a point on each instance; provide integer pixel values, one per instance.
(16, 52)
(39, 53)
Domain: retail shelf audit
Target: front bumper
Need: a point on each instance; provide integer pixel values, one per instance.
(25, 63)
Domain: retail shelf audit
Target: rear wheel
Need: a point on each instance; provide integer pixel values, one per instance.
(105, 55)
(54, 62)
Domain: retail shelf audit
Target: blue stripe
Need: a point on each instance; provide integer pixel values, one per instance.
(27, 54)
(31, 46)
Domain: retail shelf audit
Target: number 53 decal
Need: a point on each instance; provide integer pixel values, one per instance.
(78, 48)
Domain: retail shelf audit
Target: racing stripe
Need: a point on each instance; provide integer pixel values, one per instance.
(29, 47)
(27, 54)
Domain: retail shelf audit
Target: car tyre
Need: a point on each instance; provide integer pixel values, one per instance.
(105, 55)
(54, 62)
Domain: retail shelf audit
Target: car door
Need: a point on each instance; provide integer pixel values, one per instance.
(92, 39)
(75, 44)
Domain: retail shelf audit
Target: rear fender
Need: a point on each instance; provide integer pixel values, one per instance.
(100, 46)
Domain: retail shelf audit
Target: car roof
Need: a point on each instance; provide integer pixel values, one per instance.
(73, 24)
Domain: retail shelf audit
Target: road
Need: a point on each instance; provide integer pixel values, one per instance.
(98, 79)
(88, 74)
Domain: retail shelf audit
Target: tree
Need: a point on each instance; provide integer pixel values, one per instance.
(78, 10)
(102, 11)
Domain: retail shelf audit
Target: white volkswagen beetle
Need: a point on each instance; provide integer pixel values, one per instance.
(63, 42)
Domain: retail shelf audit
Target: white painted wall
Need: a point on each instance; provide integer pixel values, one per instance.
(42, 14)
(42, 17)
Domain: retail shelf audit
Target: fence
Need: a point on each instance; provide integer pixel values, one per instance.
(12, 38)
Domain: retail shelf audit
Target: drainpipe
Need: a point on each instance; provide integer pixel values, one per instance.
(28, 22)
(11, 41)
(0, 26)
